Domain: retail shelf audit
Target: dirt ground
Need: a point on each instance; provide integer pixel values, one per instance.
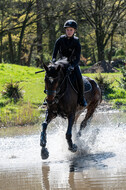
(101, 67)
(105, 106)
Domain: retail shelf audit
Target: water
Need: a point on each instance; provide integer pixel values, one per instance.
(99, 163)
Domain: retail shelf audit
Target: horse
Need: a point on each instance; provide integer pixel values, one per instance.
(62, 100)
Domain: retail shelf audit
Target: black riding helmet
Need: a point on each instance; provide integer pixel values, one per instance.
(70, 23)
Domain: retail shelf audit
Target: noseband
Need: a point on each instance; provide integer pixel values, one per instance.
(55, 92)
(51, 92)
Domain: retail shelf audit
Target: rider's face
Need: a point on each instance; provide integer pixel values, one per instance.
(70, 32)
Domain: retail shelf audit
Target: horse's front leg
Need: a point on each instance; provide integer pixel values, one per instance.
(72, 147)
(43, 138)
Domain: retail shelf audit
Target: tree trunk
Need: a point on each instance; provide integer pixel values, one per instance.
(11, 47)
(1, 52)
(52, 36)
(100, 44)
(110, 53)
(22, 31)
(94, 58)
(30, 53)
(101, 55)
(99, 29)
(1, 39)
(39, 58)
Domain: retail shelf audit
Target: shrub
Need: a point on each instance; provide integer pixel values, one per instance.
(12, 91)
(104, 84)
(123, 78)
(120, 93)
(120, 52)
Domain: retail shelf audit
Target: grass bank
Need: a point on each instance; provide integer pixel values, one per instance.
(28, 109)
(117, 95)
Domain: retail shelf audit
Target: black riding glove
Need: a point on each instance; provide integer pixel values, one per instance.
(70, 69)
(53, 61)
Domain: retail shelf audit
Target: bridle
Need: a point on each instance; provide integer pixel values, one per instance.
(51, 92)
(55, 93)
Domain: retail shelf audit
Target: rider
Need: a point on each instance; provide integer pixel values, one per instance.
(68, 45)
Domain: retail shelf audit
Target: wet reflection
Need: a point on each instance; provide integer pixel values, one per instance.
(57, 176)
(83, 162)
(20, 179)
(87, 178)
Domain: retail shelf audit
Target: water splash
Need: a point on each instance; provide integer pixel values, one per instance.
(106, 133)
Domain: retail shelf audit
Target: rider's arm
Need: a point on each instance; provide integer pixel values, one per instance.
(56, 49)
(77, 53)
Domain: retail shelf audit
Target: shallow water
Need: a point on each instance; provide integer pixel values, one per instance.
(99, 163)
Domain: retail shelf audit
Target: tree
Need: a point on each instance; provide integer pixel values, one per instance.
(28, 10)
(29, 28)
(3, 15)
(104, 16)
(39, 33)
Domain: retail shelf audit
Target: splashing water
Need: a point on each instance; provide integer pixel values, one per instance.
(99, 162)
(106, 133)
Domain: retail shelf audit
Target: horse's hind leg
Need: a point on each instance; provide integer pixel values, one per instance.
(90, 110)
(72, 147)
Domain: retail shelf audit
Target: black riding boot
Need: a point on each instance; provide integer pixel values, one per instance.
(81, 98)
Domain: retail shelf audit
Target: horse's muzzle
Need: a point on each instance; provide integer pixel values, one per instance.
(50, 96)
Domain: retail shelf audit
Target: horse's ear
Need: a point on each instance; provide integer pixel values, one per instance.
(46, 68)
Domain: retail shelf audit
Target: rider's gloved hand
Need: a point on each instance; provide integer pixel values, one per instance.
(53, 61)
(70, 69)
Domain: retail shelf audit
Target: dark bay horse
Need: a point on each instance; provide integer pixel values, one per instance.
(62, 100)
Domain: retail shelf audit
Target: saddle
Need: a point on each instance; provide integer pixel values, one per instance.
(72, 77)
(73, 82)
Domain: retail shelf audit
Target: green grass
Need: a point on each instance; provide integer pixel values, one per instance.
(27, 111)
(118, 97)
(32, 85)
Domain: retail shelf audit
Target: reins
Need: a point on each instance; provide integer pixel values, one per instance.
(60, 91)
(53, 92)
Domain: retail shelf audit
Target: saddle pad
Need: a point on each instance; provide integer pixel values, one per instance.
(73, 81)
(87, 85)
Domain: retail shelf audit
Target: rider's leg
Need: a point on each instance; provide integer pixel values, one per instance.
(82, 100)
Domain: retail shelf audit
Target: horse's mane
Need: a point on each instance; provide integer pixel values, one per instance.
(60, 65)
(62, 62)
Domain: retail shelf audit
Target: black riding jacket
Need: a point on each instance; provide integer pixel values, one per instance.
(68, 47)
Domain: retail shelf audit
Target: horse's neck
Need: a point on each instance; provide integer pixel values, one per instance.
(63, 84)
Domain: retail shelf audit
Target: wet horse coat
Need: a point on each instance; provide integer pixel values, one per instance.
(62, 100)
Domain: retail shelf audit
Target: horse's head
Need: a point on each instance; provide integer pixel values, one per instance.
(52, 79)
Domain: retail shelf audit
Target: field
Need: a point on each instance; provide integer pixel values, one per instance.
(28, 110)
(32, 86)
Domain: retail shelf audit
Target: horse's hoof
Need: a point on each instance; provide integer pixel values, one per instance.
(73, 148)
(44, 153)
